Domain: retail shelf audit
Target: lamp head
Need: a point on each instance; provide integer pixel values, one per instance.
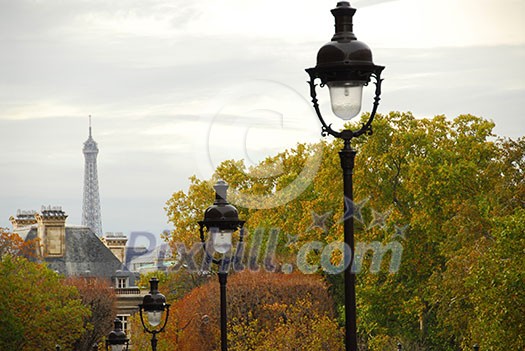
(344, 64)
(117, 339)
(221, 219)
(154, 303)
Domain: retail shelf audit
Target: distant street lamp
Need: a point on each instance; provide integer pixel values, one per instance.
(221, 220)
(345, 66)
(154, 304)
(117, 339)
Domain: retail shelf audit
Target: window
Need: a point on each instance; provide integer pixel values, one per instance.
(122, 283)
(124, 319)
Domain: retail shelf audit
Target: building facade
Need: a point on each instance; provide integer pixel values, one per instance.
(76, 251)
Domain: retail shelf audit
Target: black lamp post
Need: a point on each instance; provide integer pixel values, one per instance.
(345, 66)
(117, 339)
(154, 304)
(221, 220)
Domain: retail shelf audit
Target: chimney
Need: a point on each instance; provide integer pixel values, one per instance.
(116, 242)
(23, 219)
(52, 231)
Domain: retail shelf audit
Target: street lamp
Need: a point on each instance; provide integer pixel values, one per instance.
(117, 339)
(345, 66)
(154, 304)
(221, 220)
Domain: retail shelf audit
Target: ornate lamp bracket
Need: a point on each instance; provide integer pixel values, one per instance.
(154, 331)
(209, 256)
(347, 134)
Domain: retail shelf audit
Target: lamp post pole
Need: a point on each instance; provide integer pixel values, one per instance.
(345, 65)
(154, 341)
(223, 279)
(347, 156)
(221, 220)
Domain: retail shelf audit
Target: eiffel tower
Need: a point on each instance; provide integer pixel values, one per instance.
(91, 202)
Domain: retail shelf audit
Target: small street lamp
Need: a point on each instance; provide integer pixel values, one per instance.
(345, 66)
(221, 220)
(117, 339)
(154, 304)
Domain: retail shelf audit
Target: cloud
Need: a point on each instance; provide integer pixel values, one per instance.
(365, 3)
(168, 82)
(442, 23)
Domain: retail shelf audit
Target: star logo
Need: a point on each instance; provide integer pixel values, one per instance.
(292, 239)
(400, 232)
(379, 219)
(353, 209)
(319, 221)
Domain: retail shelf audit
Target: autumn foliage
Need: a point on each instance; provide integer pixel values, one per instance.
(36, 310)
(265, 312)
(449, 191)
(99, 296)
(13, 244)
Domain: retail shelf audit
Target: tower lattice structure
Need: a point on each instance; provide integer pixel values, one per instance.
(91, 201)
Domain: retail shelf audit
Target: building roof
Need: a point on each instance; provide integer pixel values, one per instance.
(85, 254)
(23, 232)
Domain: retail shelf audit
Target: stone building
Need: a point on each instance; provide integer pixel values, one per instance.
(76, 251)
(116, 242)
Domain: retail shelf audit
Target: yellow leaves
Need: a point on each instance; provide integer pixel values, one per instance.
(446, 179)
(297, 326)
(265, 312)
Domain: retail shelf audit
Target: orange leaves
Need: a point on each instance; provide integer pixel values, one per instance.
(98, 295)
(265, 312)
(13, 244)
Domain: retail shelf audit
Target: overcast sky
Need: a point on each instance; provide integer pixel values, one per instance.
(174, 87)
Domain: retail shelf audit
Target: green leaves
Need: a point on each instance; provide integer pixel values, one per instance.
(36, 310)
(457, 189)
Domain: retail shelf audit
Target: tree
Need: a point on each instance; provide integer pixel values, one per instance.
(184, 209)
(496, 286)
(450, 181)
(13, 244)
(36, 310)
(97, 295)
(448, 191)
(174, 284)
(296, 326)
(264, 311)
